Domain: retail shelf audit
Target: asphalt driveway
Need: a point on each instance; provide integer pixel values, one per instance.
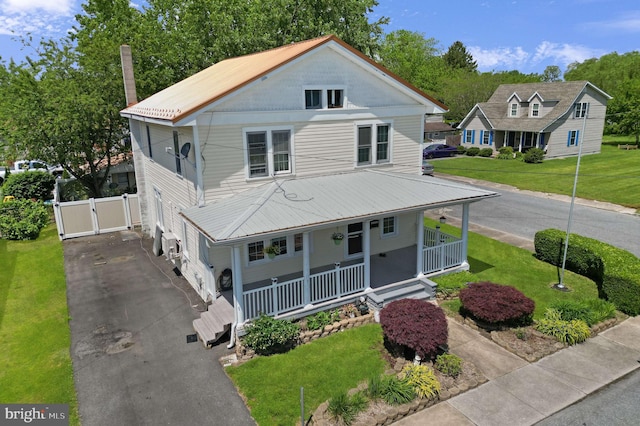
(130, 315)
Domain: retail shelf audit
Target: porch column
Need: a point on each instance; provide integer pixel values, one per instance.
(465, 230)
(420, 244)
(306, 269)
(366, 236)
(238, 302)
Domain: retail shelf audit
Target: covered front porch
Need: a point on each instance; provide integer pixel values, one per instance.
(521, 141)
(347, 280)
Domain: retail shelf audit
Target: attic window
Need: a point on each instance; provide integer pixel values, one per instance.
(334, 98)
(313, 99)
(323, 97)
(535, 110)
(581, 109)
(514, 110)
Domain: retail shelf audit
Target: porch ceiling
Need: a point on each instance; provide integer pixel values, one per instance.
(314, 202)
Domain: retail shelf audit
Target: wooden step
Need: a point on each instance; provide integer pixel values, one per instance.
(214, 322)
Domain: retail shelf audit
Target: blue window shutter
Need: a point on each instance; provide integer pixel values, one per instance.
(569, 138)
(577, 136)
(464, 136)
(481, 136)
(473, 136)
(491, 138)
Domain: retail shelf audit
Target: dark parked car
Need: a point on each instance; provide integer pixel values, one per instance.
(427, 168)
(439, 150)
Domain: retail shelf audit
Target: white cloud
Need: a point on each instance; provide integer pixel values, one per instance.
(499, 58)
(628, 23)
(56, 7)
(564, 54)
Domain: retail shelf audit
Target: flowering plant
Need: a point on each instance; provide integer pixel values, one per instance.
(272, 250)
(338, 236)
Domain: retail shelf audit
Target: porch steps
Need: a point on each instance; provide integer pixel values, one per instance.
(214, 322)
(417, 289)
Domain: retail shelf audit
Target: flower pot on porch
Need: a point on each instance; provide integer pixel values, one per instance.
(337, 242)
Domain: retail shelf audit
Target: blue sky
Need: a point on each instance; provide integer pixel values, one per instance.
(525, 35)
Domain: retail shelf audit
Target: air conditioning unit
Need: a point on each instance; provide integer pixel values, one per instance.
(170, 246)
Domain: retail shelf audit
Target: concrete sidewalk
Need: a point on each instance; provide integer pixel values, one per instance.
(520, 393)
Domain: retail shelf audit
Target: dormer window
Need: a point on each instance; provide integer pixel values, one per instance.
(514, 110)
(323, 98)
(535, 110)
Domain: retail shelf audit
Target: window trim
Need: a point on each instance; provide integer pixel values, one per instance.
(373, 145)
(581, 109)
(535, 109)
(324, 96)
(395, 231)
(512, 112)
(290, 245)
(270, 163)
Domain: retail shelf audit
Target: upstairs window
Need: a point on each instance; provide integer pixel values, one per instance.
(268, 152)
(370, 150)
(514, 110)
(323, 98)
(313, 99)
(581, 109)
(535, 110)
(334, 98)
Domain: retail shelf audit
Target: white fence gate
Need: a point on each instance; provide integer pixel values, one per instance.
(96, 215)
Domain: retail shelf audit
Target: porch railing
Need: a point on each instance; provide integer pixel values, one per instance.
(441, 251)
(289, 295)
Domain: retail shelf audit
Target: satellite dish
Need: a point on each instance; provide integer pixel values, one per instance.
(184, 151)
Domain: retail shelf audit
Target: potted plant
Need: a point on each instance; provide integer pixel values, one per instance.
(337, 237)
(271, 251)
(350, 310)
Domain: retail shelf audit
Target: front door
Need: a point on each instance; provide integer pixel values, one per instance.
(354, 239)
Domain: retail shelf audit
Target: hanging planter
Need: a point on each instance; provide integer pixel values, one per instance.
(337, 238)
(271, 251)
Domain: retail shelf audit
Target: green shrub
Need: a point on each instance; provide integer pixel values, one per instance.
(267, 335)
(486, 152)
(22, 219)
(615, 271)
(473, 151)
(422, 378)
(504, 156)
(30, 185)
(461, 150)
(449, 364)
(321, 319)
(519, 156)
(391, 389)
(346, 408)
(601, 310)
(570, 332)
(572, 310)
(534, 155)
(451, 284)
(506, 150)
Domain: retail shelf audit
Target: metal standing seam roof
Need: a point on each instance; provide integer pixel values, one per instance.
(563, 93)
(285, 205)
(225, 77)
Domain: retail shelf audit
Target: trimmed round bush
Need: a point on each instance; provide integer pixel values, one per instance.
(473, 151)
(30, 185)
(461, 150)
(534, 155)
(416, 324)
(497, 304)
(22, 219)
(485, 152)
(506, 150)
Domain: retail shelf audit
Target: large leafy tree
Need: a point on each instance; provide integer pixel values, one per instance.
(457, 57)
(63, 106)
(551, 73)
(619, 76)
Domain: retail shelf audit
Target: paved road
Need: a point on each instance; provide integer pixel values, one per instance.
(523, 214)
(615, 404)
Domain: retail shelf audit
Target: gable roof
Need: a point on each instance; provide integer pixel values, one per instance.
(223, 78)
(563, 94)
(301, 204)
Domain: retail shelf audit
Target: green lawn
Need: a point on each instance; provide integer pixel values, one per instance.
(324, 367)
(34, 329)
(609, 176)
(494, 261)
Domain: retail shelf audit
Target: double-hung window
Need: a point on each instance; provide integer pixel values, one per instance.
(282, 246)
(268, 152)
(572, 138)
(486, 137)
(581, 109)
(373, 143)
(389, 226)
(469, 136)
(535, 110)
(514, 110)
(324, 97)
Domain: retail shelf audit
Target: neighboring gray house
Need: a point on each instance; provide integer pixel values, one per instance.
(289, 181)
(555, 117)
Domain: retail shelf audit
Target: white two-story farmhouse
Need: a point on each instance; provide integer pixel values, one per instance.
(288, 181)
